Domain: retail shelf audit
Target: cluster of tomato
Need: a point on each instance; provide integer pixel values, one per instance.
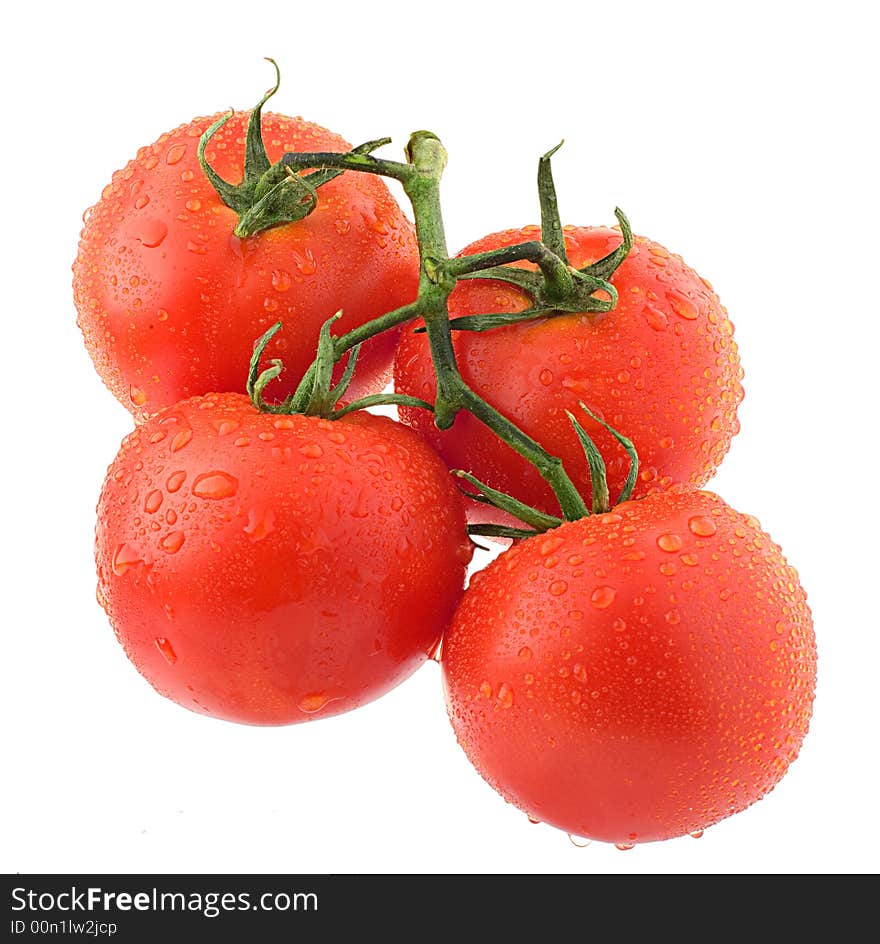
(634, 675)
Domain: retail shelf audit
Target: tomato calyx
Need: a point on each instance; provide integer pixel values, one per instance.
(557, 287)
(316, 394)
(538, 521)
(269, 195)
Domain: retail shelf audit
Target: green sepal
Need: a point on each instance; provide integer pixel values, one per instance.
(500, 531)
(598, 477)
(632, 475)
(513, 506)
(380, 399)
(269, 195)
(551, 225)
(608, 265)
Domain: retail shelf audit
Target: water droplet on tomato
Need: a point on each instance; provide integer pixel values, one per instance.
(580, 841)
(550, 544)
(175, 480)
(164, 647)
(525, 653)
(682, 305)
(227, 427)
(153, 501)
(137, 396)
(689, 560)
(281, 280)
(260, 523)
(193, 205)
(125, 558)
(532, 820)
(305, 261)
(655, 318)
(669, 542)
(702, 526)
(313, 702)
(342, 226)
(215, 485)
(174, 154)
(505, 695)
(181, 439)
(141, 201)
(546, 377)
(486, 690)
(697, 834)
(172, 542)
(602, 597)
(624, 846)
(150, 233)
(312, 451)
(557, 588)
(464, 552)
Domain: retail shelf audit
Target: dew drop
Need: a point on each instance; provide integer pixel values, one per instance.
(525, 653)
(702, 526)
(486, 690)
(603, 597)
(546, 377)
(175, 480)
(682, 305)
(669, 542)
(655, 318)
(164, 647)
(558, 587)
(313, 702)
(215, 485)
(260, 523)
(505, 695)
(175, 153)
(281, 280)
(137, 396)
(172, 542)
(624, 846)
(312, 451)
(305, 261)
(150, 233)
(580, 841)
(153, 501)
(697, 834)
(125, 558)
(181, 439)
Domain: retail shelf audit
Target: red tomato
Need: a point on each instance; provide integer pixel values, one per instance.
(170, 302)
(272, 569)
(662, 368)
(636, 675)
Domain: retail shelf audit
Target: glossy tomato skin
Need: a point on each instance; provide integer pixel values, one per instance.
(634, 676)
(662, 368)
(170, 302)
(274, 569)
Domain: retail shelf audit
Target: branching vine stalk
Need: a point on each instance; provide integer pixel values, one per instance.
(272, 195)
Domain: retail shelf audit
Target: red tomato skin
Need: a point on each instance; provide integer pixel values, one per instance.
(273, 569)
(662, 368)
(170, 302)
(634, 676)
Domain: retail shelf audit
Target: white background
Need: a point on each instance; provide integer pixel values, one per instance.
(740, 135)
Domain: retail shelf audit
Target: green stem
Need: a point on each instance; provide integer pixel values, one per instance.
(438, 276)
(558, 277)
(436, 283)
